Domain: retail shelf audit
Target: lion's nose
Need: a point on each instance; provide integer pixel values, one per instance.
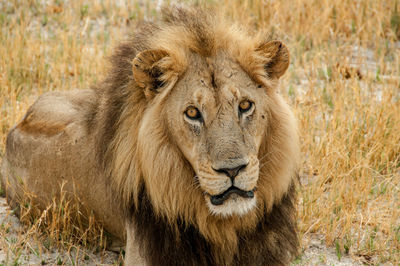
(231, 172)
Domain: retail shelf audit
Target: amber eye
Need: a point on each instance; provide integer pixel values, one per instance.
(193, 113)
(245, 106)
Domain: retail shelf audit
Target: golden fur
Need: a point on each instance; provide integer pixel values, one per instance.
(148, 151)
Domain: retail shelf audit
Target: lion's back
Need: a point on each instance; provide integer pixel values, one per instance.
(40, 140)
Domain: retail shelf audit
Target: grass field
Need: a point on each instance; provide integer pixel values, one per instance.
(343, 82)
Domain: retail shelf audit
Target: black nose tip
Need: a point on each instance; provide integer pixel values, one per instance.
(231, 172)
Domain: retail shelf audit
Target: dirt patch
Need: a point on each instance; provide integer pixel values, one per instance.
(316, 253)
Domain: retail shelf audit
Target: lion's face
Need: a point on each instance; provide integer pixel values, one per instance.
(204, 130)
(217, 118)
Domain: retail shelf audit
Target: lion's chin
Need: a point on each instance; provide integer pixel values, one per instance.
(234, 205)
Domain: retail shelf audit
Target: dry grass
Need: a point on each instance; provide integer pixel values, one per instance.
(343, 83)
(62, 226)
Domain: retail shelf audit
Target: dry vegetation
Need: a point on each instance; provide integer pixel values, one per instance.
(343, 83)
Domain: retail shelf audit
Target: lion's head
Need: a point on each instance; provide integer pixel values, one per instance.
(217, 118)
(203, 130)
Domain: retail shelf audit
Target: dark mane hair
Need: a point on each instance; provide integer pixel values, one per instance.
(269, 244)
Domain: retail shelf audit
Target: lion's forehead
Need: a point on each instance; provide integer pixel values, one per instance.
(215, 80)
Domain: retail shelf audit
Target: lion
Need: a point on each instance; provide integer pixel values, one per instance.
(186, 150)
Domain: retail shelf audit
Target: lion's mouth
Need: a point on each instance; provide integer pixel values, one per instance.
(219, 199)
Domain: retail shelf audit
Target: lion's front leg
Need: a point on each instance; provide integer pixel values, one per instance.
(132, 254)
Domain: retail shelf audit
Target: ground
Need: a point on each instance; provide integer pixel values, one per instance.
(20, 246)
(315, 253)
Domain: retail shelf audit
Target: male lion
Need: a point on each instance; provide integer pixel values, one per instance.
(186, 150)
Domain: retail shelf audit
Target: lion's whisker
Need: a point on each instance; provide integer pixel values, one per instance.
(265, 156)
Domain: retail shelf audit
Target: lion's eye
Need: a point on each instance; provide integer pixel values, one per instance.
(193, 113)
(245, 106)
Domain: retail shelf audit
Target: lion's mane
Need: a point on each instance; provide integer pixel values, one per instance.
(168, 213)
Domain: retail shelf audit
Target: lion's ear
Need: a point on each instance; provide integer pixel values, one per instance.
(276, 56)
(152, 70)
